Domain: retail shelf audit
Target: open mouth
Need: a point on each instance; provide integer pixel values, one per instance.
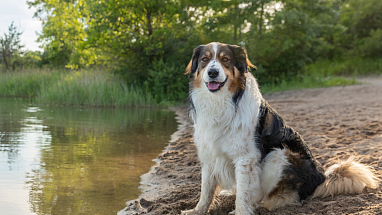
(214, 86)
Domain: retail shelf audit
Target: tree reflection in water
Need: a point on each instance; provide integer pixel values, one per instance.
(92, 161)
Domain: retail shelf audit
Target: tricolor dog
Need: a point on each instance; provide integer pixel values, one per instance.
(245, 146)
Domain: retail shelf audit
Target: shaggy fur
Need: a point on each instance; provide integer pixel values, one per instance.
(346, 177)
(244, 145)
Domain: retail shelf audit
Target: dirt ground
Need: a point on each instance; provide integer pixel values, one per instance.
(336, 123)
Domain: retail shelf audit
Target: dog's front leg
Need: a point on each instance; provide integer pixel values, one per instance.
(207, 193)
(248, 190)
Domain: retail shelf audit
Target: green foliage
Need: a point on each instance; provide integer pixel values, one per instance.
(29, 60)
(63, 33)
(361, 16)
(10, 48)
(371, 46)
(294, 33)
(167, 82)
(362, 20)
(149, 43)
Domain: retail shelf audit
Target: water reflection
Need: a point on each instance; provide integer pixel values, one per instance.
(78, 160)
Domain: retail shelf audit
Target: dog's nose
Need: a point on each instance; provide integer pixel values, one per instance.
(213, 73)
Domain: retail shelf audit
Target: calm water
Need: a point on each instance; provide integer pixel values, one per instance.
(60, 160)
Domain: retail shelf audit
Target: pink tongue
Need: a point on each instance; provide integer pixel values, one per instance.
(213, 85)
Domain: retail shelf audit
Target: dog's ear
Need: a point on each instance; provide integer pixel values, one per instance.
(193, 65)
(241, 61)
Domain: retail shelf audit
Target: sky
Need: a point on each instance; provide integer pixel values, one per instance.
(17, 11)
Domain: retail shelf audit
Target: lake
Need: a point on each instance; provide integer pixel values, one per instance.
(76, 160)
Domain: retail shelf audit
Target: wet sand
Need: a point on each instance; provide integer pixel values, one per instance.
(336, 123)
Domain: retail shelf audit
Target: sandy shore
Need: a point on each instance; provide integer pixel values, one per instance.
(336, 122)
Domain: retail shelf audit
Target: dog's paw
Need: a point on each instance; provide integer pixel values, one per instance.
(232, 212)
(225, 193)
(192, 212)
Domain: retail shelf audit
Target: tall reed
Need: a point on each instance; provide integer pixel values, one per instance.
(25, 83)
(92, 88)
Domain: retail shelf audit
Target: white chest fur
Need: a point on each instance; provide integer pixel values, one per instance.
(224, 133)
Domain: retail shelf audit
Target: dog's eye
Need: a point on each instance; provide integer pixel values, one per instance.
(205, 59)
(225, 59)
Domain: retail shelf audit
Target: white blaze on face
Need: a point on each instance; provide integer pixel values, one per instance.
(215, 47)
(214, 63)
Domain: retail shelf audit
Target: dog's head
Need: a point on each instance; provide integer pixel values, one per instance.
(216, 66)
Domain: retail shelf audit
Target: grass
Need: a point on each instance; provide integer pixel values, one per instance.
(25, 84)
(91, 88)
(349, 67)
(328, 73)
(307, 82)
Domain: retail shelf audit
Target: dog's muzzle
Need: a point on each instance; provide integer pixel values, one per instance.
(214, 86)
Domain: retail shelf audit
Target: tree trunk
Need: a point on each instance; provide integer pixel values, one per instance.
(235, 25)
(149, 18)
(261, 22)
(239, 32)
(4, 57)
(149, 26)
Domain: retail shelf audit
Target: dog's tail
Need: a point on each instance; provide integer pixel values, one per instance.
(346, 177)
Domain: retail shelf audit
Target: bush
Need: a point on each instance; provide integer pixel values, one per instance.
(371, 46)
(167, 82)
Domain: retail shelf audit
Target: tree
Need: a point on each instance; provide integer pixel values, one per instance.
(10, 47)
(63, 32)
(363, 20)
(150, 42)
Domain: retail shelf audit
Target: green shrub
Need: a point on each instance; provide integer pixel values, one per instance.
(167, 82)
(372, 46)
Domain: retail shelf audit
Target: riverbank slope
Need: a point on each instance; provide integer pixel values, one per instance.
(336, 122)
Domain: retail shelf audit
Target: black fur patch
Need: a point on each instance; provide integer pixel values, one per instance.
(305, 176)
(240, 58)
(195, 61)
(238, 95)
(191, 109)
(192, 69)
(305, 173)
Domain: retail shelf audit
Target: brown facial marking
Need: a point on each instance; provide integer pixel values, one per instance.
(188, 68)
(235, 79)
(238, 81)
(202, 64)
(207, 54)
(197, 81)
(197, 77)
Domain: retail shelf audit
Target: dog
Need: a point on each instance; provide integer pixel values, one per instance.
(244, 145)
